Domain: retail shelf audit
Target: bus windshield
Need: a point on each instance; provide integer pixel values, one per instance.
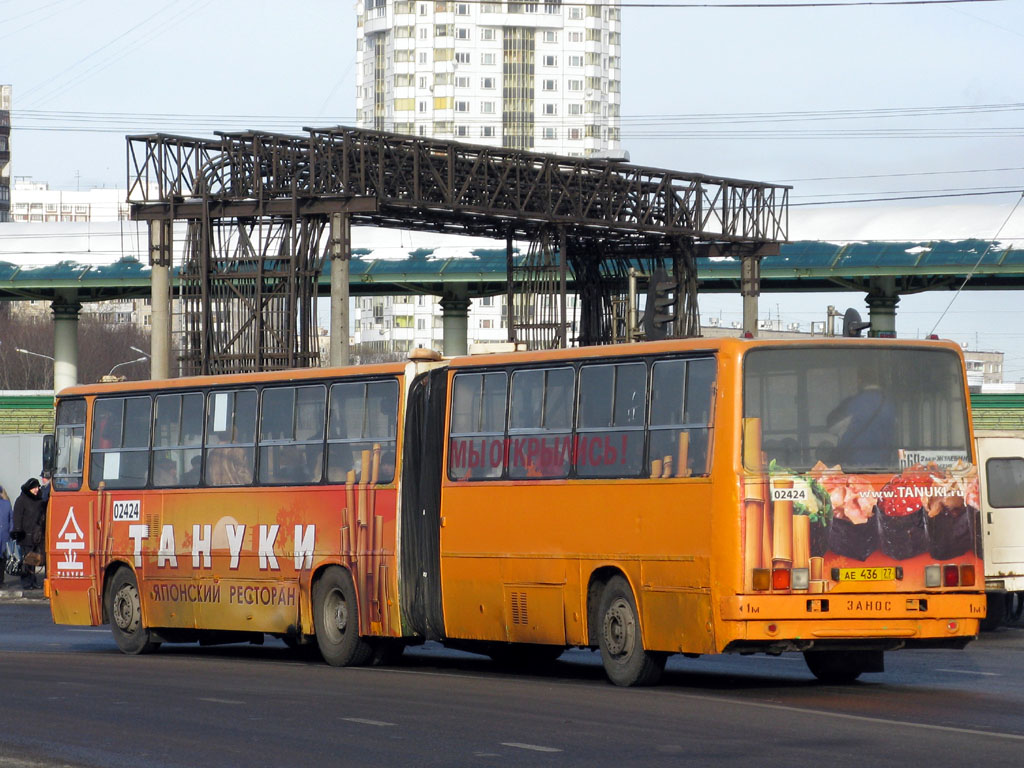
(863, 409)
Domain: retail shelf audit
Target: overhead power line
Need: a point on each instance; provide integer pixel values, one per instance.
(908, 197)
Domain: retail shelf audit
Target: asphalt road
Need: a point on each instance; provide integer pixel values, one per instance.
(71, 699)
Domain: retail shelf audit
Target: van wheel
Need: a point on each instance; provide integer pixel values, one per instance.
(336, 620)
(622, 650)
(124, 610)
(995, 614)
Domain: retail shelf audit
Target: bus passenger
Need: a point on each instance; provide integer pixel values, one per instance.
(165, 473)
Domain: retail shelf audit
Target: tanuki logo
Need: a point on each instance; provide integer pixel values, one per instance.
(70, 540)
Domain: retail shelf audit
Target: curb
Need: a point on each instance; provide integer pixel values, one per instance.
(22, 596)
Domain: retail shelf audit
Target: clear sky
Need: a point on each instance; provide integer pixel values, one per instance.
(919, 105)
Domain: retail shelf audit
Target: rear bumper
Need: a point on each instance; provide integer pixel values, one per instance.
(775, 623)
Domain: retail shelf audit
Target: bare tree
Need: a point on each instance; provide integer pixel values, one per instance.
(101, 347)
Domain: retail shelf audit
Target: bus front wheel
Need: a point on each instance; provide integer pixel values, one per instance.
(124, 610)
(336, 620)
(622, 649)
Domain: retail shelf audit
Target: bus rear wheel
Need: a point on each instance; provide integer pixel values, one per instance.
(124, 610)
(336, 620)
(622, 650)
(842, 667)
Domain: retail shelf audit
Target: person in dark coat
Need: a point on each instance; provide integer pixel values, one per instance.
(29, 527)
(6, 520)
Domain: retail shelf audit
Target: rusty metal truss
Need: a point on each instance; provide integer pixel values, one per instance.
(416, 182)
(258, 203)
(248, 295)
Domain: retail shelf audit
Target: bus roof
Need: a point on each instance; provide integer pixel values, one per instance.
(729, 345)
(282, 377)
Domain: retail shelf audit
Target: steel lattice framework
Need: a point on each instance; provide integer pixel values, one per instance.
(600, 209)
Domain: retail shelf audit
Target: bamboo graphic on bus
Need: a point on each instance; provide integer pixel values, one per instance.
(362, 543)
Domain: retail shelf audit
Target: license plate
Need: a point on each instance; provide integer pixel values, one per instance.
(886, 573)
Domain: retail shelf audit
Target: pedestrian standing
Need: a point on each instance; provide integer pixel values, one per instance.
(28, 529)
(6, 525)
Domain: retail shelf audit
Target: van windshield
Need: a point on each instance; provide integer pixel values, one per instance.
(875, 409)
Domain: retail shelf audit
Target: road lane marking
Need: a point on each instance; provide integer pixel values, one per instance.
(531, 747)
(221, 701)
(91, 629)
(969, 672)
(844, 716)
(779, 707)
(363, 721)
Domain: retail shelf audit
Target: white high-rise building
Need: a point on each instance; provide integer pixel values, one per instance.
(537, 76)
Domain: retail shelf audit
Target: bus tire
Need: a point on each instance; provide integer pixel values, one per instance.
(841, 667)
(124, 611)
(336, 620)
(622, 649)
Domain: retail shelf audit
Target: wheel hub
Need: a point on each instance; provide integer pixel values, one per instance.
(336, 616)
(619, 629)
(126, 609)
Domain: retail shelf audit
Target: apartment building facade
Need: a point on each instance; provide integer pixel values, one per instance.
(533, 76)
(34, 201)
(5, 153)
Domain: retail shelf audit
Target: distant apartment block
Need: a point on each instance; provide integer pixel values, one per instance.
(35, 201)
(535, 76)
(5, 153)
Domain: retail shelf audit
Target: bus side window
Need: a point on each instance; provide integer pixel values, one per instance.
(292, 434)
(120, 442)
(681, 416)
(363, 419)
(610, 423)
(477, 429)
(177, 439)
(540, 423)
(230, 437)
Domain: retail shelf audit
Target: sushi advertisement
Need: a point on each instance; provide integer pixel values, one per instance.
(867, 527)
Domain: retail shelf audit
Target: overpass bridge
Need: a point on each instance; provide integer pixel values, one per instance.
(877, 268)
(883, 271)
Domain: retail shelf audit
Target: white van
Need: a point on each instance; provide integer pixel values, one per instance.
(1001, 467)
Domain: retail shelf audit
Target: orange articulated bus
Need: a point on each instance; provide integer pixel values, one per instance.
(695, 496)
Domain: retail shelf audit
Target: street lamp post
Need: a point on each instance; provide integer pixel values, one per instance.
(34, 354)
(126, 362)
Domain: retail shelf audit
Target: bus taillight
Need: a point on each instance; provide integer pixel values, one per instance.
(966, 575)
(780, 578)
(762, 579)
(950, 576)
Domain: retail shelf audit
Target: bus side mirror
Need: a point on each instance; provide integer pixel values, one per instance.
(48, 455)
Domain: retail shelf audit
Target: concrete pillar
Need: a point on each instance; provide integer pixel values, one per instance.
(160, 252)
(341, 255)
(455, 321)
(750, 289)
(65, 339)
(882, 299)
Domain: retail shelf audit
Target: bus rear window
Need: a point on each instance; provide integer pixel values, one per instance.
(864, 409)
